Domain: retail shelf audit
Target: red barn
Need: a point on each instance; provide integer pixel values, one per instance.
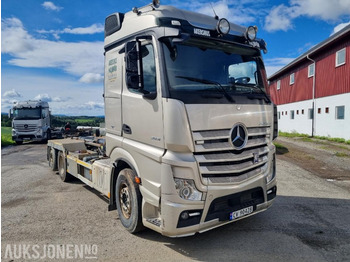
(312, 93)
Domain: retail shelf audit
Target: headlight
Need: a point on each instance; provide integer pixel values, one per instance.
(250, 34)
(223, 26)
(271, 175)
(187, 189)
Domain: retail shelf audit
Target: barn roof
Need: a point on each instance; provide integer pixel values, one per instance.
(313, 50)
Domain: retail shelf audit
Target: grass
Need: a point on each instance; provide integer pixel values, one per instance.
(340, 154)
(307, 138)
(280, 149)
(6, 136)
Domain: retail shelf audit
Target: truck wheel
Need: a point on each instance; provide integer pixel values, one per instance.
(19, 142)
(62, 167)
(128, 200)
(52, 157)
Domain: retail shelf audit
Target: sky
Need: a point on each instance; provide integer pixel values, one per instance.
(53, 50)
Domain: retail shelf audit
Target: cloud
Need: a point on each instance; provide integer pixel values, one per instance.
(340, 27)
(76, 58)
(11, 94)
(281, 17)
(242, 12)
(89, 78)
(90, 30)
(51, 6)
(93, 29)
(88, 106)
(47, 98)
(326, 10)
(272, 65)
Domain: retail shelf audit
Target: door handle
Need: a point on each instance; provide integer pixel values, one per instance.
(126, 129)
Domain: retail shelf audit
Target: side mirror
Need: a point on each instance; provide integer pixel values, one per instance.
(133, 63)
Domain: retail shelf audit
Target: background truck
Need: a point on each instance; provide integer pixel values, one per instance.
(189, 127)
(32, 122)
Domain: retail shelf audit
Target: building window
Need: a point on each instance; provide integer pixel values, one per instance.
(319, 110)
(340, 57)
(278, 84)
(282, 113)
(291, 79)
(286, 113)
(297, 112)
(291, 114)
(339, 112)
(327, 110)
(302, 111)
(311, 70)
(311, 113)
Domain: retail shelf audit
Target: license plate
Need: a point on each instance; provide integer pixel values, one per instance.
(241, 213)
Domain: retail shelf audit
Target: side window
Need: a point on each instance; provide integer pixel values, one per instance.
(149, 68)
(43, 113)
(340, 57)
(340, 112)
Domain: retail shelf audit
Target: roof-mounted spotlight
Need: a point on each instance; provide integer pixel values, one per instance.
(156, 3)
(250, 33)
(223, 26)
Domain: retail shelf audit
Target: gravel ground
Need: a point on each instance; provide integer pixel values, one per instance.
(309, 220)
(328, 160)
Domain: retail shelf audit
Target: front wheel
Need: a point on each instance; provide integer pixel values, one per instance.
(128, 200)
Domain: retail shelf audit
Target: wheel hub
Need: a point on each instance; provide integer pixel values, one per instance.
(125, 204)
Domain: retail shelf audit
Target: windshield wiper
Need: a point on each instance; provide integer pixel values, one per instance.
(209, 82)
(267, 99)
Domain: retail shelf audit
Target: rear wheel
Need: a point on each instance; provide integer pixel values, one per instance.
(62, 167)
(52, 157)
(19, 142)
(128, 200)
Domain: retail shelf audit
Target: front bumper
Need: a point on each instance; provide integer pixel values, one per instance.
(215, 210)
(27, 137)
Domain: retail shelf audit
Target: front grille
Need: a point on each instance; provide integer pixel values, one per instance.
(221, 163)
(23, 128)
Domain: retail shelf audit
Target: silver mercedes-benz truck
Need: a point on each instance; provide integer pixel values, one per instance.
(189, 126)
(31, 121)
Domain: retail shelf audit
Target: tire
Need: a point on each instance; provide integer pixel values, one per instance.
(129, 200)
(62, 167)
(52, 158)
(19, 142)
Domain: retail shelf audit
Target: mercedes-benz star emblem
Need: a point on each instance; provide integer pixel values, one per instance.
(239, 136)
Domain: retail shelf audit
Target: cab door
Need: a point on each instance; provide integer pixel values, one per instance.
(142, 108)
(113, 90)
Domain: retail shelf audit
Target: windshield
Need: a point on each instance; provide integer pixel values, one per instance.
(214, 72)
(27, 113)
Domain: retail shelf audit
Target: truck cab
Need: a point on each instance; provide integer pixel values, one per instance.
(31, 121)
(187, 111)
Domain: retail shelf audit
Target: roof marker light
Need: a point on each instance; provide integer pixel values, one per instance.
(223, 26)
(250, 33)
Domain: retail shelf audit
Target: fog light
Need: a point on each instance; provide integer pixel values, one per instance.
(184, 215)
(187, 189)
